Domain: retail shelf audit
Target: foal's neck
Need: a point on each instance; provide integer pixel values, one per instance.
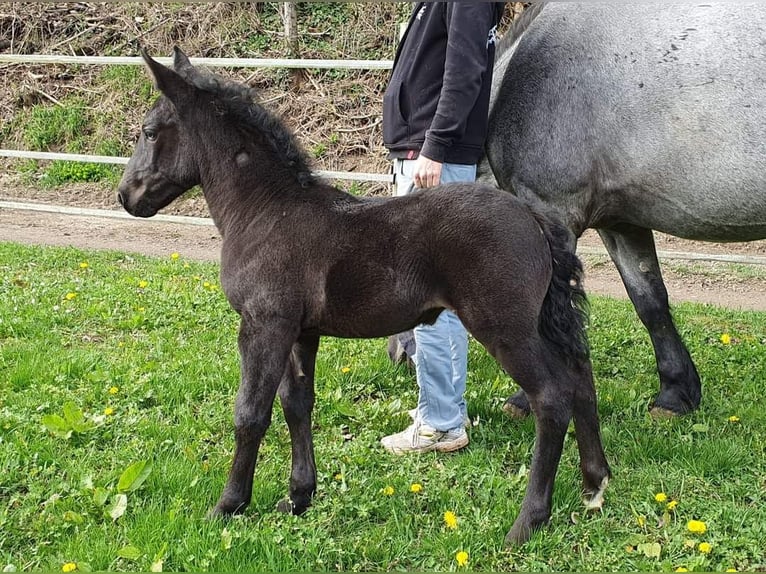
(248, 185)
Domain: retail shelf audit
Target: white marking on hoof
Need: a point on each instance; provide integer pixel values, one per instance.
(596, 501)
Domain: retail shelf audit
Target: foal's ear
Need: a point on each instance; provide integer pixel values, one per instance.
(176, 88)
(182, 65)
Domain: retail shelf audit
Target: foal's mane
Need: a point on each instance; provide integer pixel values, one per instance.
(241, 102)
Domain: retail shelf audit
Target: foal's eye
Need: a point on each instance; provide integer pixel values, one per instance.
(150, 134)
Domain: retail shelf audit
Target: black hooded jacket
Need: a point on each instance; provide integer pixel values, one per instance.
(437, 98)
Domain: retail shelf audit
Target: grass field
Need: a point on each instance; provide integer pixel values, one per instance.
(117, 381)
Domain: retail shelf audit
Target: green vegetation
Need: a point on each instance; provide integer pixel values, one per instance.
(61, 172)
(67, 127)
(56, 126)
(117, 380)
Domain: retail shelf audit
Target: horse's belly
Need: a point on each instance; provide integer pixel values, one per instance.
(615, 115)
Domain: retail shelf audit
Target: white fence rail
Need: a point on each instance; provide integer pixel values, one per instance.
(211, 62)
(50, 59)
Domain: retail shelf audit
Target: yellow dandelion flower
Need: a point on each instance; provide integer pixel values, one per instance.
(733, 419)
(388, 491)
(108, 411)
(461, 558)
(682, 569)
(704, 547)
(660, 497)
(450, 520)
(416, 487)
(345, 370)
(84, 265)
(68, 567)
(114, 390)
(71, 295)
(338, 477)
(696, 526)
(175, 256)
(731, 569)
(143, 284)
(671, 506)
(641, 520)
(726, 339)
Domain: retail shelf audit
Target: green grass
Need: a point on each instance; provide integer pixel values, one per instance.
(154, 341)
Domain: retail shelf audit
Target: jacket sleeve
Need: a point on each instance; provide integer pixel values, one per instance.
(468, 28)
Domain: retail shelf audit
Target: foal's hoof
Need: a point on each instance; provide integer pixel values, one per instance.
(595, 500)
(517, 406)
(217, 513)
(520, 533)
(287, 506)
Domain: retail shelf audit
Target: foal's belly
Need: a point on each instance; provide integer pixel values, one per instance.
(373, 322)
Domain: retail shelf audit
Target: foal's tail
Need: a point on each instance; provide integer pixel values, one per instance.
(564, 315)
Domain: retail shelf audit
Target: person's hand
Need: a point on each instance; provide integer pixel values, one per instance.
(426, 173)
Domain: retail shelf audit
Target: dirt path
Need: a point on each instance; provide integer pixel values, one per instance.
(704, 282)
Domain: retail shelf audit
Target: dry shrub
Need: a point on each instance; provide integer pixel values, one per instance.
(336, 114)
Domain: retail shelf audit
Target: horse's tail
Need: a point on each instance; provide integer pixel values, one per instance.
(564, 315)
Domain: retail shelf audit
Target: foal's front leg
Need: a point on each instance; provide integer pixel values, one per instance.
(264, 349)
(296, 393)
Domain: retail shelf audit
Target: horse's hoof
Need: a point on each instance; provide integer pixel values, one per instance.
(674, 402)
(658, 413)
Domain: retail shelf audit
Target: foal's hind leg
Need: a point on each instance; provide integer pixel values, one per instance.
(633, 252)
(593, 464)
(296, 393)
(551, 396)
(264, 350)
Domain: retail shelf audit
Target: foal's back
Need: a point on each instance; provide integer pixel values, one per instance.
(374, 267)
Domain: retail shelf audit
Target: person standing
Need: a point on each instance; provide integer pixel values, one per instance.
(435, 112)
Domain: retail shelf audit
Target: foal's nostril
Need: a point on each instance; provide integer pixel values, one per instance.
(120, 200)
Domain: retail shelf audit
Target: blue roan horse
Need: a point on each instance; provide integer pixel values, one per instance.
(301, 259)
(629, 118)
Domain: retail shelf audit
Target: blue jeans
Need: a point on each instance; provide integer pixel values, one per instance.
(441, 349)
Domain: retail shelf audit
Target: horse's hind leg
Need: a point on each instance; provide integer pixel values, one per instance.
(264, 350)
(296, 393)
(633, 252)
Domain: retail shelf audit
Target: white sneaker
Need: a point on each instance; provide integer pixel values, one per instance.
(419, 437)
(414, 416)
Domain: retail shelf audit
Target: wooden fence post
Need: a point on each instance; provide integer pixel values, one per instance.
(289, 14)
